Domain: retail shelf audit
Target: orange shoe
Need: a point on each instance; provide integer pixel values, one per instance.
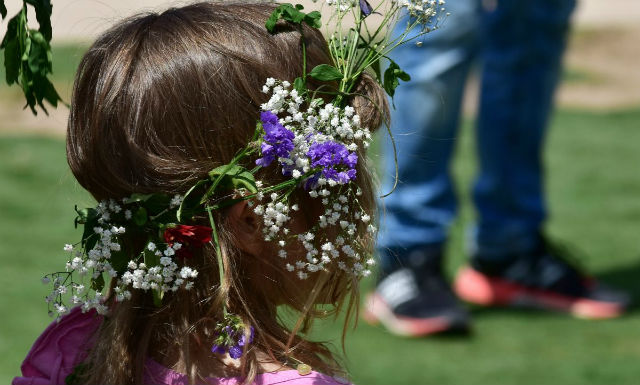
(539, 280)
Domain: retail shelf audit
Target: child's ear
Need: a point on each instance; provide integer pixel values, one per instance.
(245, 225)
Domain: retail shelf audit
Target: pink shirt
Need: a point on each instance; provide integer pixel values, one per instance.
(64, 344)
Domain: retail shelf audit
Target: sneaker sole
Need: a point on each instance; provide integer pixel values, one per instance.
(477, 288)
(376, 311)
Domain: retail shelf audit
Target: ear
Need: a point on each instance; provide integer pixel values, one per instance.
(245, 225)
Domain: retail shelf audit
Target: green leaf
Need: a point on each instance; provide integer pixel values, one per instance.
(11, 45)
(325, 72)
(271, 22)
(43, 10)
(28, 57)
(190, 201)
(88, 218)
(85, 216)
(49, 92)
(150, 258)
(293, 14)
(97, 284)
(138, 198)
(120, 259)
(392, 76)
(3, 9)
(231, 178)
(298, 85)
(39, 58)
(154, 203)
(140, 217)
(157, 297)
(313, 19)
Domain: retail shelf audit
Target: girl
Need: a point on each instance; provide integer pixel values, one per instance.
(161, 100)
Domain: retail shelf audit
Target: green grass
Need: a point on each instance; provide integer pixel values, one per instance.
(593, 186)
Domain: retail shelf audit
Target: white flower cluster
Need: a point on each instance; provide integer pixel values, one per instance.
(341, 5)
(423, 11)
(98, 263)
(275, 215)
(163, 278)
(343, 216)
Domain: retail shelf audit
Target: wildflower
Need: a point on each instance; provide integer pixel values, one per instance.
(332, 157)
(189, 237)
(278, 141)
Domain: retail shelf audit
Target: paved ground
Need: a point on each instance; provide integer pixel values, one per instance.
(602, 59)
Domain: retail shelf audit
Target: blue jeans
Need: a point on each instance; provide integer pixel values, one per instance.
(520, 45)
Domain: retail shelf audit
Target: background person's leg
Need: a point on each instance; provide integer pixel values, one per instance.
(424, 124)
(523, 45)
(513, 263)
(412, 296)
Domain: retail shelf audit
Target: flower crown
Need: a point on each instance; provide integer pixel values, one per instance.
(314, 143)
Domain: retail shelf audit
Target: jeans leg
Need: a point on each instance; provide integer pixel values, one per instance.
(424, 125)
(523, 45)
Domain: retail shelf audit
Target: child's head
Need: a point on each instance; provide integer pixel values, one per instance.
(161, 99)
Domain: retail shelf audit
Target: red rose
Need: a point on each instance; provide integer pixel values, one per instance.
(189, 237)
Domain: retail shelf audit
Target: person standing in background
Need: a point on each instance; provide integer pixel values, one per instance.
(520, 45)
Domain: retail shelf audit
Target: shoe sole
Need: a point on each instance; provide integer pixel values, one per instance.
(477, 288)
(376, 311)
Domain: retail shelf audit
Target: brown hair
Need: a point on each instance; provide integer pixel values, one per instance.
(159, 100)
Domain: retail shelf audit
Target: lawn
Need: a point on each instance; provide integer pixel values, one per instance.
(593, 185)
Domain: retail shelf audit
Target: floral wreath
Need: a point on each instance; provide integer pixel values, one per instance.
(313, 142)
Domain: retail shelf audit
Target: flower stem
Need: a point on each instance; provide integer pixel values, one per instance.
(216, 242)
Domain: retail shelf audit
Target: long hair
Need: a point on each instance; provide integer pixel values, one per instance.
(158, 101)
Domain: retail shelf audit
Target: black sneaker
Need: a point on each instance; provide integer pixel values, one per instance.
(543, 279)
(415, 300)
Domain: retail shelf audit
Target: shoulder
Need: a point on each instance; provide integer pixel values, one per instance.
(59, 348)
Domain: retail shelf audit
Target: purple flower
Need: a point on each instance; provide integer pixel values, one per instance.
(231, 339)
(235, 351)
(242, 341)
(336, 161)
(365, 8)
(277, 140)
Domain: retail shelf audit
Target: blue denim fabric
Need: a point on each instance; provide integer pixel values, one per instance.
(520, 45)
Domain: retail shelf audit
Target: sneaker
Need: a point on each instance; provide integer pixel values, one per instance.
(544, 279)
(416, 300)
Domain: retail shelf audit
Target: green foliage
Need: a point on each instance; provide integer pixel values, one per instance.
(392, 76)
(89, 219)
(43, 10)
(299, 85)
(230, 178)
(325, 72)
(27, 54)
(293, 14)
